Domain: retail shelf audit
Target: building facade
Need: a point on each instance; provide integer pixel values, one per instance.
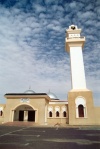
(42, 108)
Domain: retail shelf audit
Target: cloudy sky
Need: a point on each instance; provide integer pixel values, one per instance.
(32, 45)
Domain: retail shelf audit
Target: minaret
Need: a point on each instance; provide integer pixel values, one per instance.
(74, 45)
(80, 100)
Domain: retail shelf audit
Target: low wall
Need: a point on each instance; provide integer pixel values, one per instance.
(57, 120)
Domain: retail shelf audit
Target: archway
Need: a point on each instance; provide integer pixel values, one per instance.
(24, 113)
(81, 110)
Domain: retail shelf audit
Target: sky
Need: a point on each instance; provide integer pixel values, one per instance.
(32, 45)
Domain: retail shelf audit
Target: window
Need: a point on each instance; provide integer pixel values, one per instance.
(50, 111)
(64, 114)
(81, 111)
(57, 111)
(1, 113)
(50, 114)
(64, 111)
(57, 114)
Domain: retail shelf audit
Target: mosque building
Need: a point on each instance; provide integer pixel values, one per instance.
(46, 108)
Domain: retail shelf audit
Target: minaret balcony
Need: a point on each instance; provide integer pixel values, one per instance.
(74, 42)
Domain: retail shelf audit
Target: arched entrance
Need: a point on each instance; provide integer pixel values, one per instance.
(24, 113)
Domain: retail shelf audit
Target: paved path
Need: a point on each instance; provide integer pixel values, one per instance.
(29, 137)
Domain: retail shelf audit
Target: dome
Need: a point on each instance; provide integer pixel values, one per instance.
(29, 91)
(52, 95)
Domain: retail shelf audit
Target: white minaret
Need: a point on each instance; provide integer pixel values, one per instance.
(80, 99)
(74, 45)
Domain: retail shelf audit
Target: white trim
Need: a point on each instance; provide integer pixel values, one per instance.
(45, 113)
(57, 108)
(1, 108)
(50, 108)
(65, 102)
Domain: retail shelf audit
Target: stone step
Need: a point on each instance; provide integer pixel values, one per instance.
(17, 123)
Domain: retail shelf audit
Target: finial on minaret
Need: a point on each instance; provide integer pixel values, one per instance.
(73, 27)
(73, 37)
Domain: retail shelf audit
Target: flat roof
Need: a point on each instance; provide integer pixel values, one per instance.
(16, 94)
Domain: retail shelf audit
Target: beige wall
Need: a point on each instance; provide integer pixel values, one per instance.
(97, 115)
(57, 120)
(41, 104)
(60, 119)
(37, 104)
(90, 118)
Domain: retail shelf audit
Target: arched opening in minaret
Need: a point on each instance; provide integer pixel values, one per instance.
(81, 110)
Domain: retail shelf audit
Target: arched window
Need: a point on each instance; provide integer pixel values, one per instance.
(50, 111)
(57, 114)
(81, 111)
(64, 114)
(50, 114)
(1, 113)
(64, 111)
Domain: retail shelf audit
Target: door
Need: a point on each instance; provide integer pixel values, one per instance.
(31, 116)
(21, 115)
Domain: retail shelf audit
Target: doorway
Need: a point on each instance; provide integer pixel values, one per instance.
(21, 115)
(31, 116)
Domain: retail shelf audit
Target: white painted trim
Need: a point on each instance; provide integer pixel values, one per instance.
(66, 102)
(45, 113)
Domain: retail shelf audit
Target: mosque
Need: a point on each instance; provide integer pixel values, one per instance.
(46, 108)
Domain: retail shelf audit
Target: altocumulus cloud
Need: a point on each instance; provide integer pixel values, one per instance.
(32, 45)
